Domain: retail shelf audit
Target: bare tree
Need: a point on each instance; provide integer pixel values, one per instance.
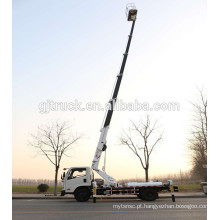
(198, 138)
(144, 145)
(53, 141)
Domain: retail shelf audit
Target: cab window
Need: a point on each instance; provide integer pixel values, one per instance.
(75, 173)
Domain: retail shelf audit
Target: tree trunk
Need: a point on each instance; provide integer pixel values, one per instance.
(146, 174)
(146, 168)
(55, 181)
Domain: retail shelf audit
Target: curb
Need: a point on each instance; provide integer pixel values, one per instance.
(104, 198)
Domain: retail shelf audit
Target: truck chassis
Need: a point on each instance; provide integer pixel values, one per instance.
(148, 193)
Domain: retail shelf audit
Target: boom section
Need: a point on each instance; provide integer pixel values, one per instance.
(104, 130)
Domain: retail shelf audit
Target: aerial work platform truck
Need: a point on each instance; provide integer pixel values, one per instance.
(80, 181)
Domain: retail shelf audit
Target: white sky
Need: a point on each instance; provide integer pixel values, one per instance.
(64, 51)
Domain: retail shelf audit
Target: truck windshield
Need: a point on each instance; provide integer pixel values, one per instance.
(75, 173)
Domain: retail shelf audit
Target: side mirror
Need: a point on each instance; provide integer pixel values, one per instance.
(61, 177)
(63, 174)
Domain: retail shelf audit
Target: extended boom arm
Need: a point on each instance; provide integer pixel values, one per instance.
(104, 130)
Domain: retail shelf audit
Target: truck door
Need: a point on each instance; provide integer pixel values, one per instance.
(77, 177)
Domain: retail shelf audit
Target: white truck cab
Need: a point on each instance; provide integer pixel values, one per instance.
(77, 180)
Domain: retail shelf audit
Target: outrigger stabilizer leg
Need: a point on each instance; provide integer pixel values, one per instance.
(172, 190)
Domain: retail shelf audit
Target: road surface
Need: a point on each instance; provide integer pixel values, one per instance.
(183, 208)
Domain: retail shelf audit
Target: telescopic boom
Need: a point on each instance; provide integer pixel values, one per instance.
(131, 14)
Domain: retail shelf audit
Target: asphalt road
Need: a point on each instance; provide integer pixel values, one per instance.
(184, 208)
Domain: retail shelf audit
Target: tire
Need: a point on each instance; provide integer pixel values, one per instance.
(62, 193)
(82, 195)
(149, 194)
(140, 196)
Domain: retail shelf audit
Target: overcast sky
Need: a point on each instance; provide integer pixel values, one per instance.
(67, 50)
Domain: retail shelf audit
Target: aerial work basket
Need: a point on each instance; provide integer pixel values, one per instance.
(131, 12)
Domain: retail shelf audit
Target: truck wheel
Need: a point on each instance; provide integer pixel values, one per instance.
(82, 195)
(149, 194)
(140, 196)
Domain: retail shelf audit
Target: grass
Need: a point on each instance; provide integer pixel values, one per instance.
(32, 189)
(189, 187)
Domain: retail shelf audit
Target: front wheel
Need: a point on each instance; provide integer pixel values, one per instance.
(82, 195)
